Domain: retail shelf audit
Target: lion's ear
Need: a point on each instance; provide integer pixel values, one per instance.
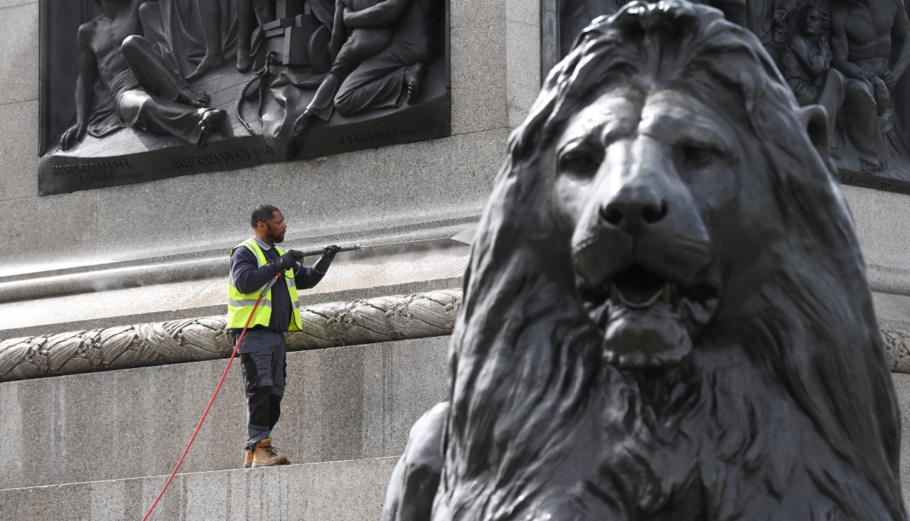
(815, 119)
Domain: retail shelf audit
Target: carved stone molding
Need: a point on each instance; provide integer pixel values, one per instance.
(334, 324)
(324, 325)
(897, 343)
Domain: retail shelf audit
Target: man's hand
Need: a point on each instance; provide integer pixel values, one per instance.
(879, 82)
(72, 134)
(889, 79)
(285, 262)
(322, 265)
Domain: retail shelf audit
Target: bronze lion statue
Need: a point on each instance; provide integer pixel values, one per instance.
(666, 314)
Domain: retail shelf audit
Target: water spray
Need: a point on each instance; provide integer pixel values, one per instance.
(465, 236)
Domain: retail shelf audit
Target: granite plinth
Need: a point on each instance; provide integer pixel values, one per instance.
(882, 225)
(524, 11)
(522, 46)
(18, 142)
(19, 55)
(902, 389)
(67, 225)
(131, 277)
(337, 491)
(349, 197)
(12, 3)
(479, 77)
(473, 12)
(340, 404)
(494, 48)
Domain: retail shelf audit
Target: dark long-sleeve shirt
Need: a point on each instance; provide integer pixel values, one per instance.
(249, 277)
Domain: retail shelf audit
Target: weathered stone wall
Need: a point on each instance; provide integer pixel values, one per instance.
(348, 409)
(494, 81)
(882, 222)
(344, 403)
(354, 402)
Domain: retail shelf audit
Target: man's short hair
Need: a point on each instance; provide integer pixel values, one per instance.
(264, 212)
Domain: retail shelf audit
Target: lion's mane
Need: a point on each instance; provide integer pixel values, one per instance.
(785, 409)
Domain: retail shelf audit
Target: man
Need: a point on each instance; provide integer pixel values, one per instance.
(383, 63)
(254, 263)
(147, 92)
(805, 62)
(861, 34)
(348, 53)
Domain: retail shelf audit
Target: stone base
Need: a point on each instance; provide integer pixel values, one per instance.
(344, 403)
(902, 387)
(336, 491)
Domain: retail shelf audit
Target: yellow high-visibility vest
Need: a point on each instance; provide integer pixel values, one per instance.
(240, 305)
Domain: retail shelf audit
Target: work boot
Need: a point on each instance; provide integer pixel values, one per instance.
(248, 460)
(264, 455)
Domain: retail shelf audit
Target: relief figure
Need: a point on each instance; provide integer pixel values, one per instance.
(384, 61)
(195, 35)
(264, 11)
(861, 42)
(805, 62)
(168, 68)
(145, 90)
(348, 52)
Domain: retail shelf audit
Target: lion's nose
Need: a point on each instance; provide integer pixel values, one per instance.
(632, 210)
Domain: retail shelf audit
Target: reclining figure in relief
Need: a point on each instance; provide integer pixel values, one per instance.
(146, 91)
(666, 314)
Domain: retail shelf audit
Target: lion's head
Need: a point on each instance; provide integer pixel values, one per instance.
(666, 311)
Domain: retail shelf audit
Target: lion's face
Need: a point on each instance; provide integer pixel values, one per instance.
(640, 178)
(665, 298)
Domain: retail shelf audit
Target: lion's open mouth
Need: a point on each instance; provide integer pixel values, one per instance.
(637, 287)
(648, 320)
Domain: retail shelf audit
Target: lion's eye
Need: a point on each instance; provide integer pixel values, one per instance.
(581, 161)
(696, 155)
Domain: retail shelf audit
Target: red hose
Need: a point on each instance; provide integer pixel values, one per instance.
(206, 413)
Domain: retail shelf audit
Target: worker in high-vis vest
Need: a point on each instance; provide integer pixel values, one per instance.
(263, 353)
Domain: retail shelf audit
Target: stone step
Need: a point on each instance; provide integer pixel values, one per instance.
(344, 403)
(334, 491)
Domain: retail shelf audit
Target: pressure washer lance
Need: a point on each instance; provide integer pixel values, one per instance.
(299, 256)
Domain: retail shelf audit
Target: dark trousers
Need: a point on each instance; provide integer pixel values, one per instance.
(263, 357)
(154, 107)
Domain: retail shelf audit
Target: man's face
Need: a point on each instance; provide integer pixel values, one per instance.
(812, 26)
(275, 227)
